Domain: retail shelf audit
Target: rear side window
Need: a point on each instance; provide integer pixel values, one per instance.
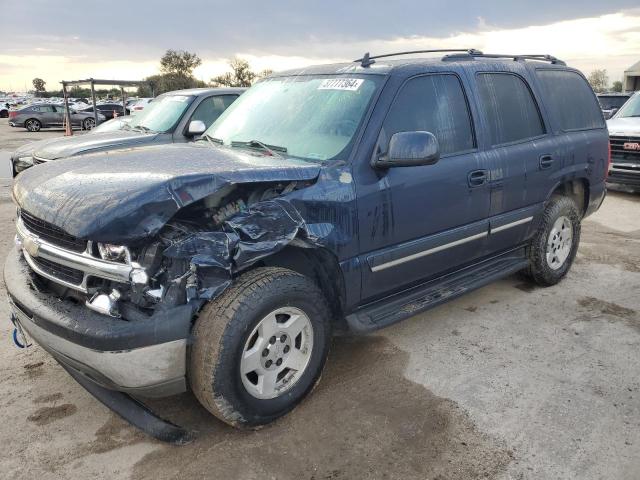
(510, 109)
(570, 99)
(436, 104)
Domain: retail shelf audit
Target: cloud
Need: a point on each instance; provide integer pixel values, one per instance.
(296, 35)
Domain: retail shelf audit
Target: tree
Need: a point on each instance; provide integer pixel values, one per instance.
(179, 62)
(38, 84)
(240, 75)
(599, 80)
(617, 86)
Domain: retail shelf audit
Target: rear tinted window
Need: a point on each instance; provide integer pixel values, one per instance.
(509, 107)
(570, 99)
(436, 104)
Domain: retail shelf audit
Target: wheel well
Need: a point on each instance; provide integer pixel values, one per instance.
(320, 265)
(578, 190)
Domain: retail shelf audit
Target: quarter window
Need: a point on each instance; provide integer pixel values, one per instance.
(436, 104)
(570, 99)
(509, 107)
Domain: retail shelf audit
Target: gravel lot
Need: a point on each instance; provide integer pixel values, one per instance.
(511, 381)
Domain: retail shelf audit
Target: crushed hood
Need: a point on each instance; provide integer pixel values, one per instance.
(625, 126)
(77, 145)
(123, 196)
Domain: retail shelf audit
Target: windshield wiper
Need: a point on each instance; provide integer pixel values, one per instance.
(271, 149)
(141, 128)
(211, 139)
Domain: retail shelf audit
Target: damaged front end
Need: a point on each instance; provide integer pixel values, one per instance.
(192, 259)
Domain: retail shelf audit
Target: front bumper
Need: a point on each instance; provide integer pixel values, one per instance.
(624, 174)
(143, 357)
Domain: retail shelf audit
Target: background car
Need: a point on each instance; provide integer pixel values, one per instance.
(139, 105)
(610, 103)
(43, 115)
(107, 109)
(173, 117)
(624, 138)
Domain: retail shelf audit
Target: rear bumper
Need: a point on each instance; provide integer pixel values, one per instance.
(597, 194)
(146, 357)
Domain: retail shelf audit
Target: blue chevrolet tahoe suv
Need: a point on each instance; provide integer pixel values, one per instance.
(338, 197)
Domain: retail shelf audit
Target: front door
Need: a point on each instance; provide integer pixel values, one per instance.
(416, 223)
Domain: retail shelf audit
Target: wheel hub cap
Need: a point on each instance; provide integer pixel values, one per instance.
(276, 353)
(559, 242)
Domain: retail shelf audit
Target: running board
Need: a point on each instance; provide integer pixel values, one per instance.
(400, 306)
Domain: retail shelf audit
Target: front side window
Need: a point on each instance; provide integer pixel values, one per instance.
(162, 114)
(436, 104)
(631, 108)
(570, 99)
(308, 116)
(211, 108)
(609, 103)
(509, 107)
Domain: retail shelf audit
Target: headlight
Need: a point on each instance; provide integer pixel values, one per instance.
(22, 163)
(114, 253)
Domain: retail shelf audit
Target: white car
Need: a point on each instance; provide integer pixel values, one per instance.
(139, 105)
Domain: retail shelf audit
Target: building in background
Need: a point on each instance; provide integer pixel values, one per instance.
(631, 81)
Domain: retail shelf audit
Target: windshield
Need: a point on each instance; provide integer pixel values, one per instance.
(608, 103)
(309, 117)
(631, 108)
(162, 114)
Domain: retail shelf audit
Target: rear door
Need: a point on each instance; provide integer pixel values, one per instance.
(523, 154)
(419, 222)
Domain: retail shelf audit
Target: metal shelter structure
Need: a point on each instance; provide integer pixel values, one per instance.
(92, 82)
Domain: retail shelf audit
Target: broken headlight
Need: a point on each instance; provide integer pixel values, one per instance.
(114, 253)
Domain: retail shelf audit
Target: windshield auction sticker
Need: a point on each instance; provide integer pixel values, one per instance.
(351, 84)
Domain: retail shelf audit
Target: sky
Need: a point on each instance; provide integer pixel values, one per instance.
(71, 40)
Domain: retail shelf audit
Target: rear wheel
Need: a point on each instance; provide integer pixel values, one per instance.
(33, 125)
(260, 347)
(555, 245)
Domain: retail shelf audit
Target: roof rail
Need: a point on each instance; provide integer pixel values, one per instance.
(368, 60)
(542, 58)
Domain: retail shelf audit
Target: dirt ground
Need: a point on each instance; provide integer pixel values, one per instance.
(508, 382)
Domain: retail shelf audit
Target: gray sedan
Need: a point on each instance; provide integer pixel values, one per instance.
(43, 115)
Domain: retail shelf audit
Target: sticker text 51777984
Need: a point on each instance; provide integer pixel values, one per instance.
(351, 84)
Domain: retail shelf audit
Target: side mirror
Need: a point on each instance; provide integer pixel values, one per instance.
(196, 127)
(410, 149)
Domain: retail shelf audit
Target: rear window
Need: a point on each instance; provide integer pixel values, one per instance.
(510, 109)
(570, 99)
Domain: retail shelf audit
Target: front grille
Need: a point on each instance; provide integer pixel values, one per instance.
(618, 152)
(52, 234)
(67, 274)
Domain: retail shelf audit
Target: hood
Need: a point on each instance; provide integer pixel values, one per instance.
(122, 196)
(28, 148)
(626, 126)
(69, 146)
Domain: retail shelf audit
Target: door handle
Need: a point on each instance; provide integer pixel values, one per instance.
(477, 177)
(545, 162)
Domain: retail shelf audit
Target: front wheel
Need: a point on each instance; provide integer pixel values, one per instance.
(260, 347)
(88, 123)
(33, 125)
(555, 245)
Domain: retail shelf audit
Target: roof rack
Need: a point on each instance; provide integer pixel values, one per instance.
(368, 60)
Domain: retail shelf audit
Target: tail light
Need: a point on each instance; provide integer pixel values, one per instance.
(13, 114)
(606, 174)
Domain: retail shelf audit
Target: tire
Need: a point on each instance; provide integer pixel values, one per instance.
(238, 323)
(4, 113)
(33, 125)
(88, 123)
(555, 244)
